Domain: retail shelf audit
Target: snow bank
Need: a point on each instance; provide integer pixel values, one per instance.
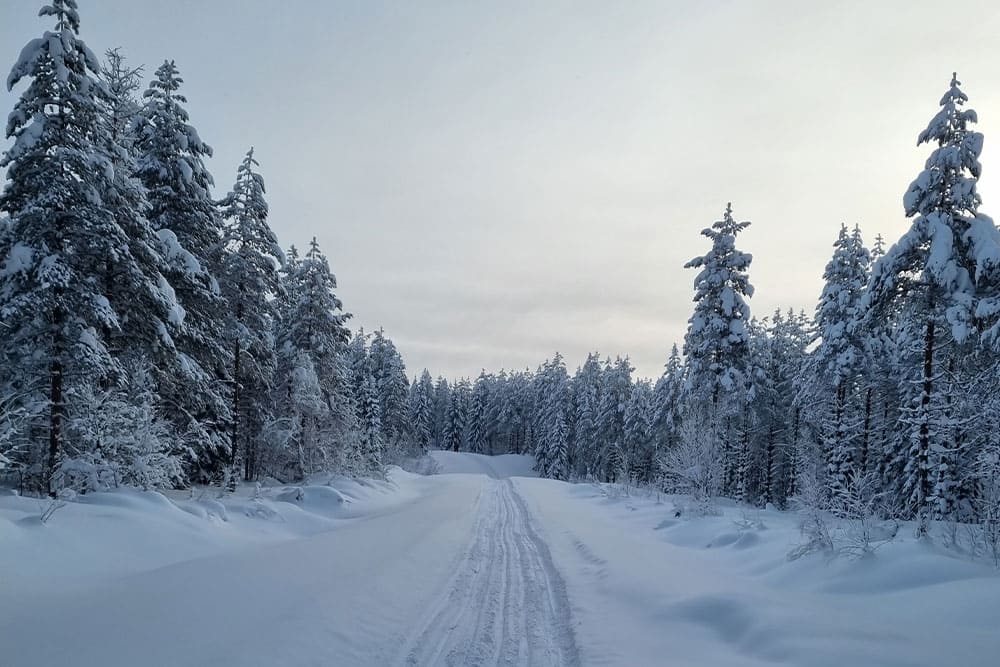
(497, 467)
(102, 535)
(649, 587)
(155, 581)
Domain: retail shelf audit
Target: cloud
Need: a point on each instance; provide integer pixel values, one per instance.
(493, 184)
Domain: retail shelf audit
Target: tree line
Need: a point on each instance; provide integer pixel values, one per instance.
(886, 397)
(153, 335)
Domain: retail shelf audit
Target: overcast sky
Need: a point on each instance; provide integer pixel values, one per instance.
(495, 181)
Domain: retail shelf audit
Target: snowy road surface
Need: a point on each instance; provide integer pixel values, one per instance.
(349, 596)
(506, 604)
(458, 577)
(468, 568)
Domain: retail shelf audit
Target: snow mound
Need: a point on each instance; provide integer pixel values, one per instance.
(127, 499)
(205, 508)
(319, 499)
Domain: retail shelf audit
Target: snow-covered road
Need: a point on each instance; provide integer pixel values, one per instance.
(457, 576)
(475, 567)
(344, 597)
(506, 603)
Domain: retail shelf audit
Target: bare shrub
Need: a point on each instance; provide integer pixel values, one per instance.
(693, 467)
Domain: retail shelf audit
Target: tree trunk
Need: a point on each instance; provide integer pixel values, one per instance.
(769, 471)
(235, 435)
(835, 458)
(866, 433)
(793, 466)
(924, 445)
(55, 419)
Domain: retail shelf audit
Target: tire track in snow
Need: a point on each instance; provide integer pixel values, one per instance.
(506, 603)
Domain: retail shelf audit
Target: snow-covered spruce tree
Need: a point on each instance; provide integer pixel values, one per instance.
(894, 344)
(356, 364)
(929, 276)
(616, 390)
(868, 379)
(539, 426)
(318, 324)
(667, 402)
(249, 281)
(552, 449)
(878, 248)
(392, 388)
(497, 408)
(883, 444)
(134, 279)
(772, 426)
(61, 231)
(370, 445)
(716, 343)
(766, 408)
(586, 398)
(839, 359)
(457, 417)
(442, 399)
(421, 410)
(781, 422)
(136, 285)
(640, 447)
(747, 474)
(521, 411)
(285, 458)
(479, 426)
(170, 164)
(500, 410)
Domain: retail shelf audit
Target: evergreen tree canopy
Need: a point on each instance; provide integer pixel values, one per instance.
(715, 345)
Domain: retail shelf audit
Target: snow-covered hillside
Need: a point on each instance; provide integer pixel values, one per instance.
(476, 565)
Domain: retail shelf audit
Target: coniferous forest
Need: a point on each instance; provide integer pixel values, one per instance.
(206, 459)
(157, 333)
(153, 334)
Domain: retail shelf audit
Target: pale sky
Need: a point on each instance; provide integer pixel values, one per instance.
(495, 181)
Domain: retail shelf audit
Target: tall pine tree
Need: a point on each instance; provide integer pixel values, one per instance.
(929, 277)
(170, 164)
(62, 231)
(716, 345)
(250, 281)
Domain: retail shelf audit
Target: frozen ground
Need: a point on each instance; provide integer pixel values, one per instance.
(468, 567)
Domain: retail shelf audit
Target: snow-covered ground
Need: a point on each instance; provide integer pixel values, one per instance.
(497, 467)
(477, 565)
(647, 588)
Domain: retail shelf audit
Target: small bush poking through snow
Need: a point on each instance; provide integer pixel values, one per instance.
(53, 505)
(850, 523)
(692, 469)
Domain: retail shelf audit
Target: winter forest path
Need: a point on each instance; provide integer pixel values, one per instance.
(457, 575)
(506, 603)
(482, 566)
